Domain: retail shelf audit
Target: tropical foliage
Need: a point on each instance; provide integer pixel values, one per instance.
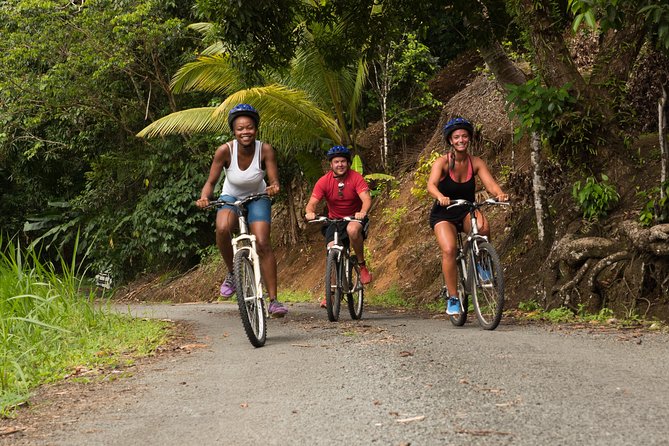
(51, 328)
(79, 81)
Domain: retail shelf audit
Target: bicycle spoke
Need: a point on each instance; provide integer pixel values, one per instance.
(333, 290)
(249, 297)
(355, 296)
(488, 289)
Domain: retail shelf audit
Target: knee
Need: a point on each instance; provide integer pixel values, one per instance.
(354, 231)
(263, 247)
(448, 252)
(223, 231)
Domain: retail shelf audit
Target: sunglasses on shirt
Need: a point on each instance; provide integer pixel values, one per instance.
(341, 189)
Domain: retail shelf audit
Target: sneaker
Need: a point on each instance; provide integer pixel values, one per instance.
(324, 303)
(228, 286)
(365, 276)
(484, 274)
(453, 306)
(277, 309)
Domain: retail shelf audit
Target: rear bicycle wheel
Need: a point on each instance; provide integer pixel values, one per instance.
(487, 286)
(333, 286)
(459, 319)
(356, 294)
(250, 300)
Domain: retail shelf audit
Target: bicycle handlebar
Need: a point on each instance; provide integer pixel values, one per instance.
(474, 206)
(236, 203)
(323, 219)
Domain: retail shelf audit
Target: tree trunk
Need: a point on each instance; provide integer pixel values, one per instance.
(505, 71)
(617, 53)
(551, 54)
(662, 127)
(538, 185)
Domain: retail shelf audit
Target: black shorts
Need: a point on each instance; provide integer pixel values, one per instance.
(329, 231)
(455, 216)
(459, 224)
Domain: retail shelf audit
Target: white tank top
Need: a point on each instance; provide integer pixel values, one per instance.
(242, 183)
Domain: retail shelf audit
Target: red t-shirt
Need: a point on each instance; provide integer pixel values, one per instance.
(346, 203)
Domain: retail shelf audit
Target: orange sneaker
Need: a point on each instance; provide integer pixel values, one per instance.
(323, 303)
(365, 276)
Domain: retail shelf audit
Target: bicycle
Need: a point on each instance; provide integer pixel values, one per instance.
(479, 272)
(342, 275)
(246, 266)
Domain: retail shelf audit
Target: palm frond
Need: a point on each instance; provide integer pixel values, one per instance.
(307, 72)
(201, 27)
(360, 82)
(289, 118)
(214, 74)
(216, 48)
(191, 121)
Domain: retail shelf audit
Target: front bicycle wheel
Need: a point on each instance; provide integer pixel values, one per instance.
(333, 286)
(459, 319)
(356, 294)
(250, 300)
(487, 283)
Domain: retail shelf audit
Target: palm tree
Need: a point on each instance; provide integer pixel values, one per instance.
(307, 106)
(301, 106)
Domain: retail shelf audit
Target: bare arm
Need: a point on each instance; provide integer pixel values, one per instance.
(433, 181)
(366, 198)
(269, 158)
(221, 158)
(310, 209)
(481, 169)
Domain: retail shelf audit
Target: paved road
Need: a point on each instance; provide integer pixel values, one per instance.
(390, 379)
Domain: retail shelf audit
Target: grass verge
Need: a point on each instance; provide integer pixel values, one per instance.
(49, 329)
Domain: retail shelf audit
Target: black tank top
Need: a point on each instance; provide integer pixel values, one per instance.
(454, 190)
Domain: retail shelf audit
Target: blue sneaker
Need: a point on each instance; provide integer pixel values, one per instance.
(453, 306)
(484, 274)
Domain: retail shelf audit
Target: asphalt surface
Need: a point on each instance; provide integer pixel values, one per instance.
(391, 379)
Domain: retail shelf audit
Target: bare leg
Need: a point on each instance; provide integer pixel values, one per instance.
(354, 231)
(226, 222)
(447, 240)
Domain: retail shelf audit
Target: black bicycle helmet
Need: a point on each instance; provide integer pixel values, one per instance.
(339, 151)
(243, 110)
(455, 124)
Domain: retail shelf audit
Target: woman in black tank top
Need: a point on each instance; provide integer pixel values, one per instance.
(453, 176)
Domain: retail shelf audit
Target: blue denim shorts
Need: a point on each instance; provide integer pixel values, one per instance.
(259, 210)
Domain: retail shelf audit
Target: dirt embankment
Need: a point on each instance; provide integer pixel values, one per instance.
(401, 248)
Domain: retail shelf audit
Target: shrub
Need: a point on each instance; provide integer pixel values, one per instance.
(656, 208)
(595, 198)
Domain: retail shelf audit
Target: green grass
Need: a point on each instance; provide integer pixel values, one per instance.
(531, 310)
(390, 298)
(295, 296)
(49, 329)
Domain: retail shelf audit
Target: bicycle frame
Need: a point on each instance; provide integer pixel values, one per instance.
(487, 292)
(245, 241)
(471, 244)
(343, 252)
(342, 274)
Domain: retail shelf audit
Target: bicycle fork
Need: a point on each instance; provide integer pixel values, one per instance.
(341, 265)
(247, 242)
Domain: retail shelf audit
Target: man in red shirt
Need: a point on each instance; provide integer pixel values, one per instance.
(346, 194)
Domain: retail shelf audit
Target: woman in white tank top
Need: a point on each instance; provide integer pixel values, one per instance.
(246, 162)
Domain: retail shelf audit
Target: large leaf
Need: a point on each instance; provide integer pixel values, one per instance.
(214, 74)
(191, 121)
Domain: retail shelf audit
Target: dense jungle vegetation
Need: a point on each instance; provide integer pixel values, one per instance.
(110, 111)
